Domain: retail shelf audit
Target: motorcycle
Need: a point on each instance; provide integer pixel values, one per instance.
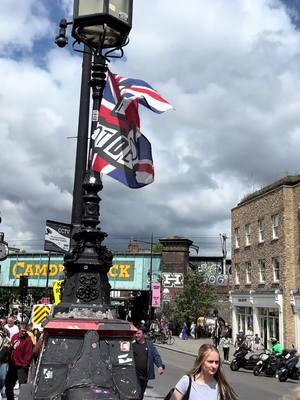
(268, 363)
(240, 360)
(288, 367)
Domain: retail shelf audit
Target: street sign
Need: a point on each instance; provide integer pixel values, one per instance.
(57, 237)
(3, 251)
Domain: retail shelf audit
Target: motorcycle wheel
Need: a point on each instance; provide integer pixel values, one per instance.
(234, 365)
(257, 370)
(283, 376)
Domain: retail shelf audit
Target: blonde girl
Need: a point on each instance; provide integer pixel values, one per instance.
(208, 379)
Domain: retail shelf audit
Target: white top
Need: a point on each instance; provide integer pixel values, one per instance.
(198, 391)
(12, 330)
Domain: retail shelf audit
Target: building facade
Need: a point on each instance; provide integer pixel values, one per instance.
(130, 275)
(265, 254)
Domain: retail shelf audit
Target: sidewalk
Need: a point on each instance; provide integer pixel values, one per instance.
(191, 346)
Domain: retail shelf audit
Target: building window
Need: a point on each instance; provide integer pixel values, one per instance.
(261, 230)
(248, 234)
(276, 273)
(248, 272)
(237, 274)
(237, 238)
(275, 223)
(262, 271)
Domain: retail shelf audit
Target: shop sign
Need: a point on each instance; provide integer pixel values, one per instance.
(37, 269)
(34, 269)
(123, 271)
(155, 289)
(242, 300)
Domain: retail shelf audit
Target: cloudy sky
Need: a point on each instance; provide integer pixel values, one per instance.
(231, 69)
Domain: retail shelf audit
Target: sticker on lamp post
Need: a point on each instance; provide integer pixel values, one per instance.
(57, 237)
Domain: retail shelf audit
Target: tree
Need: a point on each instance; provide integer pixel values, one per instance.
(197, 298)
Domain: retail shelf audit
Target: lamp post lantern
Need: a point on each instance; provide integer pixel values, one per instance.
(102, 21)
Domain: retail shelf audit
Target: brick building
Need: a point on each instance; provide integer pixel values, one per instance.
(265, 262)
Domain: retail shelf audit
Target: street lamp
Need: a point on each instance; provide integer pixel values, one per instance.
(84, 312)
(102, 21)
(102, 26)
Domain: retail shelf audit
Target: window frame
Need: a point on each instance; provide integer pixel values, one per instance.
(248, 232)
(276, 271)
(262, 271)
(275, 226)
(248, 271)
(237, 237)
(261, 230)
(237, 272)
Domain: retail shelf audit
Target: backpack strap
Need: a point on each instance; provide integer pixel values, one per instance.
(187, 394)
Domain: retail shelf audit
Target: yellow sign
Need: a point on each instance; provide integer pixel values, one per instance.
(57, 291)
(36, 269)
(39, 313)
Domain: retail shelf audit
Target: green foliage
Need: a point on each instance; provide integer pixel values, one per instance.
(197, 298)
(157, 248)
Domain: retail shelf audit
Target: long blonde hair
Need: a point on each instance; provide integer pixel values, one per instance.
(294, 395)
(226, 391)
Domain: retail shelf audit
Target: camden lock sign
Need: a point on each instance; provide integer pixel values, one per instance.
(37, 269)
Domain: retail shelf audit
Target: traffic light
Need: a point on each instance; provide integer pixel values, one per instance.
(23, 286)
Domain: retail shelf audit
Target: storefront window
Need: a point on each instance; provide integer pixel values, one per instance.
(244, 318)
(268, 324)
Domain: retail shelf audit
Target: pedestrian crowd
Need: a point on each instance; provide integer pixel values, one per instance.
(18, 347)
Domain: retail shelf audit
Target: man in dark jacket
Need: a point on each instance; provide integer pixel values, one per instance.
(145, 357)
(19, 360)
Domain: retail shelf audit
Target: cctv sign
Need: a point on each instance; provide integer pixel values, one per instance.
(57, 237)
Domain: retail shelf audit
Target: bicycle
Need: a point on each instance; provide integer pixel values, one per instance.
(165, 339)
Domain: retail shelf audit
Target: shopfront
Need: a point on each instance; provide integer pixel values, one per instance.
(259, 312)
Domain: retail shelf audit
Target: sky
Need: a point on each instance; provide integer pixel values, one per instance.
(230, 68)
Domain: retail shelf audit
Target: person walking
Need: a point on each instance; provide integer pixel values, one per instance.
(225, 343)
(208, 381)
(145, 357)
(257, 342)
(193, 330)
(19, 362)
(184, 332)
(11, 327)
(240, 339)
(5, 350)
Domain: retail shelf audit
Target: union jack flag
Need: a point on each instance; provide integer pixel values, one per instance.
(120, 150)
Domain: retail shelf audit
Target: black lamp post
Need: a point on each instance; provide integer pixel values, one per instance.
(100, 25)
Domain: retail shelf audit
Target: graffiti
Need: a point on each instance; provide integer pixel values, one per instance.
(172, 279)
(213, 273)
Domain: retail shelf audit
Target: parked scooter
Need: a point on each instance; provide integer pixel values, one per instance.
(268, 363)
(240, 360)
(288, 367)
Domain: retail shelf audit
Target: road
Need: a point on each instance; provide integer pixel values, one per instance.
(244, 382)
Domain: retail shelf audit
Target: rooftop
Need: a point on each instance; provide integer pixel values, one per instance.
(289, 180)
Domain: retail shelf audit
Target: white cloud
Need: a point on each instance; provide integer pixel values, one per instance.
(231, 69)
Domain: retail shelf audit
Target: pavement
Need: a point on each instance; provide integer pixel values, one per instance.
(189, 346)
